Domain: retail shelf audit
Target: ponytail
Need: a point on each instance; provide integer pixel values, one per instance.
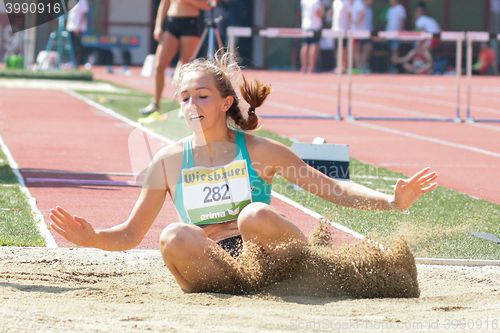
(254, 93)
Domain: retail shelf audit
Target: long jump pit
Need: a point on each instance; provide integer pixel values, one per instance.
(89, 290)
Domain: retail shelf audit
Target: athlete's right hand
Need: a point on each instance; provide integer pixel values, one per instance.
(157, 34)
(74, 228)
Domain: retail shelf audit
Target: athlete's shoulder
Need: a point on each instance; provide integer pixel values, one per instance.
(171, 150)
(264, 149)
(262, 142)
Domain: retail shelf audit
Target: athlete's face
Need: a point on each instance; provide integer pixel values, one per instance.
(201, 103)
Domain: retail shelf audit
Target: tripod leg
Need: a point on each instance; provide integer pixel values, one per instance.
(200, 44)
(219, 39)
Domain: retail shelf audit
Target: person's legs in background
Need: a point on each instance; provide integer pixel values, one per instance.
(304, 57)
(76, 41)
(313, 57)
(365, 54)
(165, 52)
(313, 52)
(394, 53)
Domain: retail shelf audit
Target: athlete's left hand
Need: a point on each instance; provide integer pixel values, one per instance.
(410, 190)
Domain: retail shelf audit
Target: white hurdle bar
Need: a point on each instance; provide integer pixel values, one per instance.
(234, 32)
(471, 37)
(459, 37)
(407, 36)
(285, 33)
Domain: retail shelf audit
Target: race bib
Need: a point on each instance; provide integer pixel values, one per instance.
(216, 195)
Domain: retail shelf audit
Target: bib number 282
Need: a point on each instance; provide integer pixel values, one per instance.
(216, 193)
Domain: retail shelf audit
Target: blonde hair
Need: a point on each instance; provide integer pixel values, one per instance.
(225, 69)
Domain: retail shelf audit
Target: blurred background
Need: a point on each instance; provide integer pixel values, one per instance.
(135, 19)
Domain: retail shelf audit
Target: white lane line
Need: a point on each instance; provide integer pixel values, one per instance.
(440, 165)
(424, 100)
(394, 110)
(373, 177)
(374, 106)
(427, 138)
(118, 116)
(82, 182)
(316, 215)
(37, 215)
(289, 107)
(456, 262)
(413, 135)
(490, 127)
(482, 95)
(80, 173)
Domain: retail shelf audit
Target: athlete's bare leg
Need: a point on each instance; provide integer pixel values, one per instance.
(304, 60)
(262, 225)
(164, 54)
(185, 248)
(188, 46)
(313, 57)
(195, 260)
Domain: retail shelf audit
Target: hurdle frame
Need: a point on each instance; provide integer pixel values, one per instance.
(404, 36)
(459, 37)
(234, 32)
(471, 37)
(339, 35)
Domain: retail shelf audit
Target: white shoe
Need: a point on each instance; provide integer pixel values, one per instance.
(150, 108)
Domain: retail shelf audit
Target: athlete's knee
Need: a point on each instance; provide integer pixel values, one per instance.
(256, 216)
(178, 238)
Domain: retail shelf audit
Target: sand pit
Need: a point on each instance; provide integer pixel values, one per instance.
(83, 290)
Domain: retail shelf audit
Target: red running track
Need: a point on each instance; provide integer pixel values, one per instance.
(467, 156)
(70, 154)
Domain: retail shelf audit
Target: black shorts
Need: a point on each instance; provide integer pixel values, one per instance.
(314, 39)
(232, 245)
(182, 26)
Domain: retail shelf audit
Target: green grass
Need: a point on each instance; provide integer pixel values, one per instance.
(73, 75)
(438, 225)
(17, 226)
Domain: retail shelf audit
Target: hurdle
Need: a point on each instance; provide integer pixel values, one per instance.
(458, 37)
(234, 33)
(446, 36)
(339, 35)
(471, 37)
(404, 36)
(351, 34)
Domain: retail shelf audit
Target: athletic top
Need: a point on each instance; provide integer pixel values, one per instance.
(427, 24)
(310, 19)
(210, 195)
(395, 16)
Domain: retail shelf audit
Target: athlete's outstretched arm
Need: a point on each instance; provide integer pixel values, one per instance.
(349, 194)
(121, 237)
